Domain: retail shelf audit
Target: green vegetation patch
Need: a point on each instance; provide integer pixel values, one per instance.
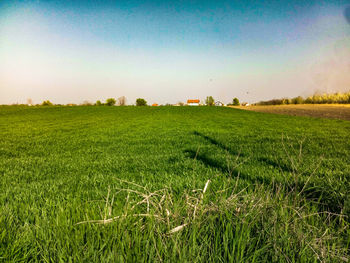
(115, 184)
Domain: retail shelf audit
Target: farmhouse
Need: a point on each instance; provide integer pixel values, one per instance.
(219, 103)
(193, 102)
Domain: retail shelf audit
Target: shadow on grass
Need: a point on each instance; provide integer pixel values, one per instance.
(209, 162)
(217, 143)
(316, 191)
(275, 164)
(263, 160)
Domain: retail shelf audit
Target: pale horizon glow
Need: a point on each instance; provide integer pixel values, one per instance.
(168, 53)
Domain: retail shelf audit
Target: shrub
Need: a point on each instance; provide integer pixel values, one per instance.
(209, 101)
(98, 103)
(141, 102)
(297, 100)
(86, 103)
(286, 101)
(308, 100)
(235, 102)
(47, 103)
(110, 102)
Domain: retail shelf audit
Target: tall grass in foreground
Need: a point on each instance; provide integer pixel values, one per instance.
(225, 221)
(333, 98)
(219, 223)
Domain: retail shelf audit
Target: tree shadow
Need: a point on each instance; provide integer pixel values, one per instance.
(275, 164)
(327, 199)
(212, 163)
(263, 160)
(217, 143)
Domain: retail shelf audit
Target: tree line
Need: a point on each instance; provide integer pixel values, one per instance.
(210, 101)
(333, 98)
(121, 101)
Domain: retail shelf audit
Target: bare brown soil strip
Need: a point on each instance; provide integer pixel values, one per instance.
(331, 111)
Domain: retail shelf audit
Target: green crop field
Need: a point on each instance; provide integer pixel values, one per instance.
(187, 184)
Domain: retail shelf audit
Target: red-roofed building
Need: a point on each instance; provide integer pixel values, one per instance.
(193, 102)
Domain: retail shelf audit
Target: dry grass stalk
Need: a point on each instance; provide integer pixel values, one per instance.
(177, 229)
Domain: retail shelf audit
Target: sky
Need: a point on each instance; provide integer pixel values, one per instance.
(170, 51)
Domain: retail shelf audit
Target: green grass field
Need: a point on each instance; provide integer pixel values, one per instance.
(188, 184)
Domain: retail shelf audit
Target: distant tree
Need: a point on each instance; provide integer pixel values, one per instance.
(98, 103)
(285, 101)
(29, 102)
(110, 102)
(180, 103)
(235, 102)
(47, 103)
(209, 101)
(121, 101)
(141, 102)
(298, 100)
(86, 103)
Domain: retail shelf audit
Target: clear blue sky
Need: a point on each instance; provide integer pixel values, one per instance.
(170, 51)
